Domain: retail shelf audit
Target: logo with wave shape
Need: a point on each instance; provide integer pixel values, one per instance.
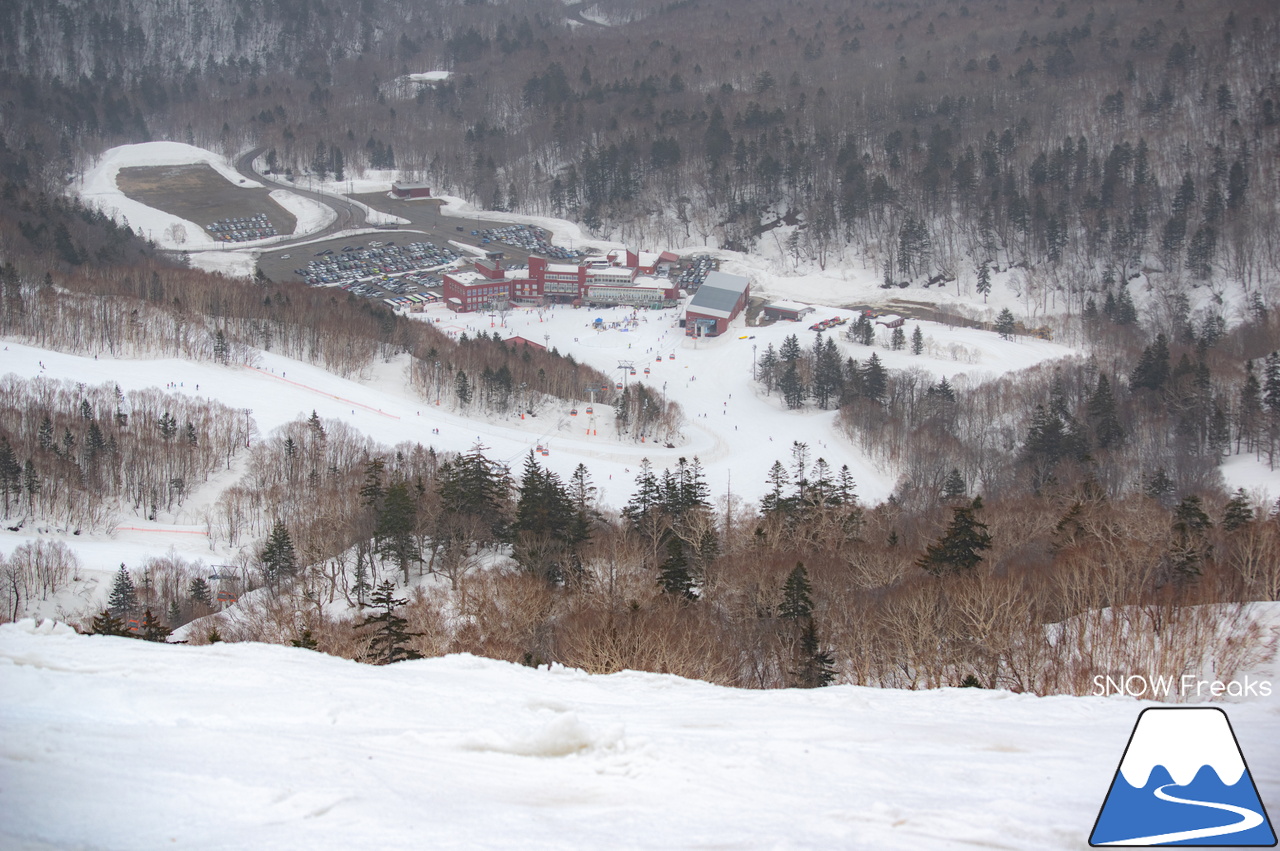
(1183, 781)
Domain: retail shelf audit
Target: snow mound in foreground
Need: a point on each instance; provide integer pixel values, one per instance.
(115, 743)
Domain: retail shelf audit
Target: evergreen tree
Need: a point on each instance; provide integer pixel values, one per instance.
(792, 386)
(917, 341)
(1005, 324)
(278, 557)
(475, 498)
(647, 500)
(123, 601)
(44, 434)
(1191, 548)
(828, 376)
(1158, 486)
(960, 548)
(1107, 431)
(674, 575)
(10, 474)
(875, 380)
(1238, 512)
(199, 592)
(797, 595)
(1249, 418)
(954, 486)
(546, 524)
(221, 350)
(1271, 384)
(817, 666)
(790, 350)
(766, 369)
(175, 612)
(395, 527)
(106, 623)
(30, 484)
(898, 339)
(151, 629)
(462, 386)
(774, 499)
(1125, 312)
(1152, 370)
(390, 631)
(984, 280)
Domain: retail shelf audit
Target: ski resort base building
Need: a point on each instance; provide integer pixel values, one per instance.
(638, 279)
(716, 303)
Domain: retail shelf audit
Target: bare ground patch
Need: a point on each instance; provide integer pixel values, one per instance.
(199, 194)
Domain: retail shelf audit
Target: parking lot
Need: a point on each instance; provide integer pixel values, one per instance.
(528, 239)
(377, 260)
(694, 270)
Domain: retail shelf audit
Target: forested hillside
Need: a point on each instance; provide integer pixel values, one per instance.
(923, 135)
(1112, 165)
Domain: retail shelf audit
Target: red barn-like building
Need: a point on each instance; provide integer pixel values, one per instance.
(411, 190)
(716, 303)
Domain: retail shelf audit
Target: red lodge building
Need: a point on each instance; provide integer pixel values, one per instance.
(716, 303)
(640, 279)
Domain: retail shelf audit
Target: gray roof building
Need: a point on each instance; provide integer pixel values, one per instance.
(719, 294)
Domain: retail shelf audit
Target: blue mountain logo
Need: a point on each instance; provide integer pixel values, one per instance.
(1183, 781)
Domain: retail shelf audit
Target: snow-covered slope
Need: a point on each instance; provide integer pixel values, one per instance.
(115, 743)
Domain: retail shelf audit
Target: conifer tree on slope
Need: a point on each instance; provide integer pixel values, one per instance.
(674, 575)
(278, 556)
(814, 667)
(106, 623)
(390, 632)
(960, 548)
(395, 524)
(797, 595)
(123, 601)
(152, 629)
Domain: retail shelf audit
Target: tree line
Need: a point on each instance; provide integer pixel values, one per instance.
(1034, 591)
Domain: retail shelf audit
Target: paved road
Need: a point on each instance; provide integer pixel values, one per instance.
(349, 215)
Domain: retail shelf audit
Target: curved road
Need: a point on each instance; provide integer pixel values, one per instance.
(350, 216)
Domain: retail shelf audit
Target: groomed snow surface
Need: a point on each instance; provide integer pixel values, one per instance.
(116, 743)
